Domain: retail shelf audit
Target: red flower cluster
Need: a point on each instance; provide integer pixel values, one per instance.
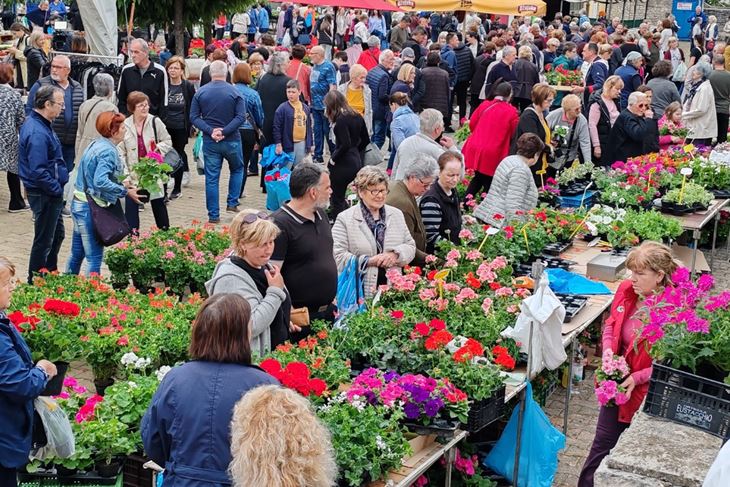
(17, 318)
(397, 314)
(423, 329)
(59, 307)
(471, 349)
(503, 358)
(472, 281)
(294, 376)
(412, 269)
(438, 339)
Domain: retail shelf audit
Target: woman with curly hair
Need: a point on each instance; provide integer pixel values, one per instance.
(277, 441)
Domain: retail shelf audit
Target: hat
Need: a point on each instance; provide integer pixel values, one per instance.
(407, 53)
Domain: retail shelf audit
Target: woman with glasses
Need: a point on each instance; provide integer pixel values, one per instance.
(372, 232)
(628, 134)
(440, 206)
(351, 140)
(575, 140)
(248, 273)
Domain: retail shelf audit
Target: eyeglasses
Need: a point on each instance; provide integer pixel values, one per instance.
(426, 184)
(252, 217)
(144, 104)
(377, 192)
(642, 105)
(59, 103)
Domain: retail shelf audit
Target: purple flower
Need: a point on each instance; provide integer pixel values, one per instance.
(418, 394)
(705, 282)
(391, 375)
(411, 410)
(433, 407)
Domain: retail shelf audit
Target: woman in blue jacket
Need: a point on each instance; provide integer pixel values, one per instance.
(253, 122)
(100, 170)
(629, 74)
(405, 122)
(20, 383)
(187, 428)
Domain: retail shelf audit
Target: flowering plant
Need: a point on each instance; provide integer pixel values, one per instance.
(575, 172)
(693, 194)
(549, 192)
(561, 76)
(152, 172)
(295, 375)
(463, 132)
(612, 372)
(668, 127)
(422, 398)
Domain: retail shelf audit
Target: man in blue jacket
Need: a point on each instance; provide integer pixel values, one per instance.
(263, 19)
(218, 110)
(322, 79)
(43, 172)
(378, 79)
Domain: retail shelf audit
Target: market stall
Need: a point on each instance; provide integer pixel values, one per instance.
(498, 7)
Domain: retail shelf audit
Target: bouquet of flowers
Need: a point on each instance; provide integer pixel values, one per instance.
(561, 76)
(668, 127)
(608, 377)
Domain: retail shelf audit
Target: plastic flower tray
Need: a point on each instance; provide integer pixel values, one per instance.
(443, 428)
(574, 188)
(573, 305)
(557, 248)
(686, 398)
(721, 194)
(679, 210)
(483, 413)
(135, 475)
(87, 479)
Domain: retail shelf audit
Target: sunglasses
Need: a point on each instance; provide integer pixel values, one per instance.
(252, 217)
(642, 105)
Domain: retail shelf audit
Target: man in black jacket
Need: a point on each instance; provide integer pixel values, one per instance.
(630, 130)
(417, 42)
(145, 76)
(464, 73)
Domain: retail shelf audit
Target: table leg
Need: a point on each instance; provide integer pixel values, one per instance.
(518, 446)
(714, 240)
(696, 237)
(450, 457)
(569, 388)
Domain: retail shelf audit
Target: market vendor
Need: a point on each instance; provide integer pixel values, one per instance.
(651, 265)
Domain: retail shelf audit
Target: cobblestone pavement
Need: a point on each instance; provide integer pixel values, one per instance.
(17, 236)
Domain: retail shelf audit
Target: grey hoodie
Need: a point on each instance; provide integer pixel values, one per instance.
(228, 278)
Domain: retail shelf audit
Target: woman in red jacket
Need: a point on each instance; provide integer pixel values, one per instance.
(492, 126)
(651, 266)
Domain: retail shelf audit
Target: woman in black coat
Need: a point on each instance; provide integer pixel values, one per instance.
(533, 121)
(527, 77)
(177, 116)
(35, 57)
(351, 140)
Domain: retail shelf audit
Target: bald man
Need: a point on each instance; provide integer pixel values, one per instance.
(145, 76)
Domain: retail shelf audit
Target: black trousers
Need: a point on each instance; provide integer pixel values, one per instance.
(479, 184)
(341, 175)
(48, 233)
(8, 477)
(461, 90)
(159, 210)
(722, 123)
(179, 141)
(16, 194)
(474, 102)
(248, 141)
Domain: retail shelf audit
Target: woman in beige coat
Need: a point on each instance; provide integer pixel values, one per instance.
(17, 51)
(145, 133)
(698, 106)
(372, 232)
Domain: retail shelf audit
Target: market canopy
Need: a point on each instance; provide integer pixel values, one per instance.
(498, 7)
(380, 5)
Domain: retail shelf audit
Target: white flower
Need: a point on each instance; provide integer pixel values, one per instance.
(142, 363)
(621, 200)
(380, 443)
(162, 371)
(133, 385)
(129, 358)
(614, 194)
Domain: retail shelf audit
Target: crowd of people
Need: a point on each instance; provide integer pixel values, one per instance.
(374, 77)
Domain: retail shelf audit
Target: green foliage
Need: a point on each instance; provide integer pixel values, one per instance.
(693, 194)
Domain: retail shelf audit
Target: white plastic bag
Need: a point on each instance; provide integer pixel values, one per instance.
(61, 442)
(286, 41)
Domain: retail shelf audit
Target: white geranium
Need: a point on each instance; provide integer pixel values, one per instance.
(162, 372)
(129, 359)
(142, 363)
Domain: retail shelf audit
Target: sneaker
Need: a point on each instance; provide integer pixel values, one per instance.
(66, 213)
(252, 173)
(186, 179)
(19, 210)
(232, 209)
(141, 207)
(174, 196)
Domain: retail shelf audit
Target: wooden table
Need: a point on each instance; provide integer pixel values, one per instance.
(695, 222)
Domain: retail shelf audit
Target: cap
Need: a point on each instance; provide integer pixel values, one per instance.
(407, 53)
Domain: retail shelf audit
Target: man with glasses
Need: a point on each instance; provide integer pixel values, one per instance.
(630, 130)
(419, 177)
(65, 125)
(145, 76)
(43, 172)
(575, 141)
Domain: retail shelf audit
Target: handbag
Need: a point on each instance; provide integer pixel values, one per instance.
(110, 224)
(372, 155)
(300, 316)
(198, 154)
(172, 158)
(680, 72)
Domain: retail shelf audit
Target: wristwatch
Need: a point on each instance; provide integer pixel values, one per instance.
(48, 376)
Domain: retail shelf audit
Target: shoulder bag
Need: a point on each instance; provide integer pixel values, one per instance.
(172, 158)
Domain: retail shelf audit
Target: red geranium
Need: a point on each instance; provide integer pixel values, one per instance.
(437, 324)
(397, 314)
(472, 281)
(471, 349)
(421, 329)
(438, 340)
(502, 357)
(431, 275)
(17, 318)
(60, 307)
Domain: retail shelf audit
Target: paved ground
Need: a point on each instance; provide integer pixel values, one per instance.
(17, 235)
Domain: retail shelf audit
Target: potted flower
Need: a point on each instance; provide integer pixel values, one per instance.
(152, 172)
(691, 197)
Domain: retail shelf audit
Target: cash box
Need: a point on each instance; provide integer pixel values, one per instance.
(606, 267)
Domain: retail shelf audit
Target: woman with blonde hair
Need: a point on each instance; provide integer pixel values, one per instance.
(278, 441)
(602, 114)
(651, 265)
(35, 57)
(247, 272)
(358, 94)
(406, 78)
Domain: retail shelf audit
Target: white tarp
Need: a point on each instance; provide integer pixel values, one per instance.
(100, 24)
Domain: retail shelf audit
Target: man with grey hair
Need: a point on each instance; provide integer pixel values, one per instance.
(720, 81)
(628, 134)
(43, 171)
(145, 76)
(91, 109)
(303, 249)
(322, 79)
(64, 126)
(429, 141)
(418, 177)
(272, 91)
(379, 81)
(502, 69)
(218, 110)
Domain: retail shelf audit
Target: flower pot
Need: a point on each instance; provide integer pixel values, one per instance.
(64, 472)
(101, 384)
(108, 470)
(55, 385)
(143, 195)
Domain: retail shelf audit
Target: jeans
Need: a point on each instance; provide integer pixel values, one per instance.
(214, 153)
(84, 243)
(49, 231)
(608, 431)
(69, 154)
(321, 133)
(379, 130)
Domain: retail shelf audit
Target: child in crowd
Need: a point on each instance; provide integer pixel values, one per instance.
(293, 125)
(671, 130)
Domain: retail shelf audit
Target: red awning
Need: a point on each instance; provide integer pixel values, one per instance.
(381, 5)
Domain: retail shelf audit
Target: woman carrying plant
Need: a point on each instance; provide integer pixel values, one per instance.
(671, 128)
(440, 206)
(533, 121)
(651, 265)
(248, 273)
(698, 106)
(186, 428)
(351, 140)
(99, 173)
(143, 134)
(602, 114)
(493, 124)
(372, 232)
(20, 383)
(513, 189)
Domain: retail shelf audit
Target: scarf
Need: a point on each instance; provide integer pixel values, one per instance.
(377, 227)
(693, 87)
(279, 327)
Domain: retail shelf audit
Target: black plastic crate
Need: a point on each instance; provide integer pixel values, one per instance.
(135, 475)
(556, 248)
(686, 398)
(573, 305)
(486, 411)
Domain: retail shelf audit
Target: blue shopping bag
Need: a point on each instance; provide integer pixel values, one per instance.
(350, 293)
(270, 159)
(276, 181)
(541, 442)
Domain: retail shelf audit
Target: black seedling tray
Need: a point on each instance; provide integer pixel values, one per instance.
(573, 305)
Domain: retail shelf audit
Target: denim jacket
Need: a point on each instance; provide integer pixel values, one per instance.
(254, 108)
(99, 170)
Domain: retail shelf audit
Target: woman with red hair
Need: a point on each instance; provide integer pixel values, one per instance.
(99, 171)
